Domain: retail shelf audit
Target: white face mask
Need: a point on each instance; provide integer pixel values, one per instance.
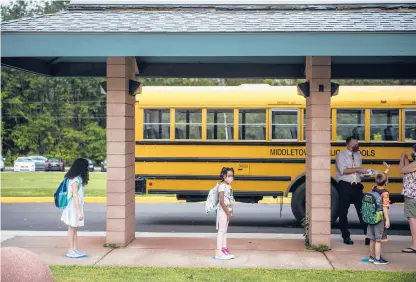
(229, 179)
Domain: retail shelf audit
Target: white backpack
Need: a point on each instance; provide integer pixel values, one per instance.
(212, 202)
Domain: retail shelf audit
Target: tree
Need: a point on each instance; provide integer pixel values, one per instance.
(66, 117)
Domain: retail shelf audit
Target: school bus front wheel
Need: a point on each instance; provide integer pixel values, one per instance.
(298, 203)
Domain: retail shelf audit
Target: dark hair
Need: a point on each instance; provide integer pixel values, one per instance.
(79, 168)
(381, 179)
(348, 140)
(224, 172)
(414, 147)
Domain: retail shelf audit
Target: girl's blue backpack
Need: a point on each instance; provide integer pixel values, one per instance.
(61, 195)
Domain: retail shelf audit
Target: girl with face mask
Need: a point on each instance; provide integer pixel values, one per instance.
(224, 213)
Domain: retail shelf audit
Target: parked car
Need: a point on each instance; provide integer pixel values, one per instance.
(39, 162)
(104, 166)
(1, 163)
(56, 164)
(24, 164)
(90, 165)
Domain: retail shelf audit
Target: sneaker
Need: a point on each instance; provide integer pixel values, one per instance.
(73, 254)
(371, 259)
(221, 255)
(82, 254)
(348, 241)
(380, 261)
(227, 251)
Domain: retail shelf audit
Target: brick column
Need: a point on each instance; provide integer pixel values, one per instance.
(318, 147)
(120, 151)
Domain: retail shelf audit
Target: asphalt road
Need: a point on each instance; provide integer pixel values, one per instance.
(248, 218)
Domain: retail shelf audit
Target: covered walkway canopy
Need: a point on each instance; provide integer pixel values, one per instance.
(358, 39)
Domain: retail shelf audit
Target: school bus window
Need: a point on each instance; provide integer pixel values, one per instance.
(304, 124)
(285, 124)
(410, 124)
(220, 124)
(252, 125)
(156, 124)
(384, 125)
(188, 124)
(350, 123)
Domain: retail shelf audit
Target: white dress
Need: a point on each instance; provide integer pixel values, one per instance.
(228, 199)
(69, 215)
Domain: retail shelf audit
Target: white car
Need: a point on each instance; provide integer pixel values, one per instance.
(1, 163)
(24, 164)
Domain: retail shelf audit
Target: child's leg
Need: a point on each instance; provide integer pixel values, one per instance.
(372, 248)
(222, 228)
(377, 250)
(224, 240)
(70, 237)
(75, 237)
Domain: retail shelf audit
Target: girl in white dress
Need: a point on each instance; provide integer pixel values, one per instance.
(73, 214)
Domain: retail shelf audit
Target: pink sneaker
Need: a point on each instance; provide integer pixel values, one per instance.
(222, 255)
(227, 251)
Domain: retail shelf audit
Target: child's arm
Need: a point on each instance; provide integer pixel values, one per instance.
(387, 167)
(386, 204)
(74, 188)
(223, 205)
(386, 217)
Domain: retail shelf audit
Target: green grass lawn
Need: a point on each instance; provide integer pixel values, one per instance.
(44, 184)
(103, 274)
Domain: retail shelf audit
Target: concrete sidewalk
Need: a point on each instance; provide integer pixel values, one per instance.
(196, 250)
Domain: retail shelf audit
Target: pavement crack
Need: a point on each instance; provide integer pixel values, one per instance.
(103, 257)
(330, 263)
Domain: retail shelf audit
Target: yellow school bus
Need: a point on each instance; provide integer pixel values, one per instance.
(185, 135)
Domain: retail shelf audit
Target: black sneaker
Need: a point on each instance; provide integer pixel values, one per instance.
(381, 261)
(371, 259)
(348, 241)
(367, 241)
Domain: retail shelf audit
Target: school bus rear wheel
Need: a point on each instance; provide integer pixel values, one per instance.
(298, 203)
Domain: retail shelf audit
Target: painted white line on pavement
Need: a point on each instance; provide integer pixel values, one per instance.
(13, 233)
(214, 235)
(4, 238)
(153, 234)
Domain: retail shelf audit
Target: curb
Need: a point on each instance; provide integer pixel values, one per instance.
(139, 199)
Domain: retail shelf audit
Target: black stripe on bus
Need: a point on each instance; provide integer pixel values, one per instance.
(391, 180)
(247, 160)
(264, 143)
(218, 160)
(205, 193)
(213, 177)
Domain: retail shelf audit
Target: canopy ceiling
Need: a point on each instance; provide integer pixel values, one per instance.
(217, 40)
